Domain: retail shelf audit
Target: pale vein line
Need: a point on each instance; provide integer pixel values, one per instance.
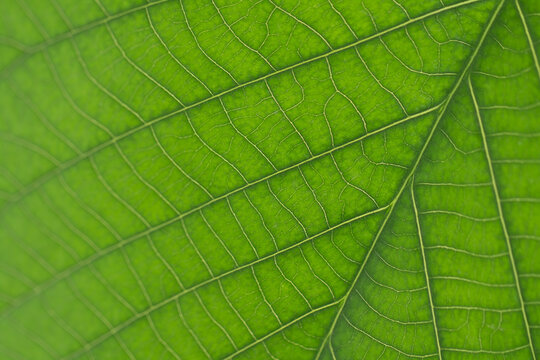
(493, 352)
(259, 287)
(396, 290)
(455, 213)
(476, 308)
(172, 56)
(229, 27)
(379, 313)
(501, 216)
(461, 251)
(291, 15)
(421, 241)
(383, 343)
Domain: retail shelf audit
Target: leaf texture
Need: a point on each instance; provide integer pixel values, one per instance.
(272, 179)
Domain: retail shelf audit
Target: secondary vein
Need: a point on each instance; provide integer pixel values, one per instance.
(42, 179)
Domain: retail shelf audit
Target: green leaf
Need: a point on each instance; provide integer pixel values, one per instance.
(271, 179)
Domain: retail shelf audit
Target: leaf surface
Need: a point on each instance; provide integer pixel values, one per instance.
(323, 179)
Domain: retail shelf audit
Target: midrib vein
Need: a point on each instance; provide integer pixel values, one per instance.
(105, 251)
(501, 216)
(411, 173)
(38, 182)
(529, 38)
(424, 263)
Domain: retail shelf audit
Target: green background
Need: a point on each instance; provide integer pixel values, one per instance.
(264, 179)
